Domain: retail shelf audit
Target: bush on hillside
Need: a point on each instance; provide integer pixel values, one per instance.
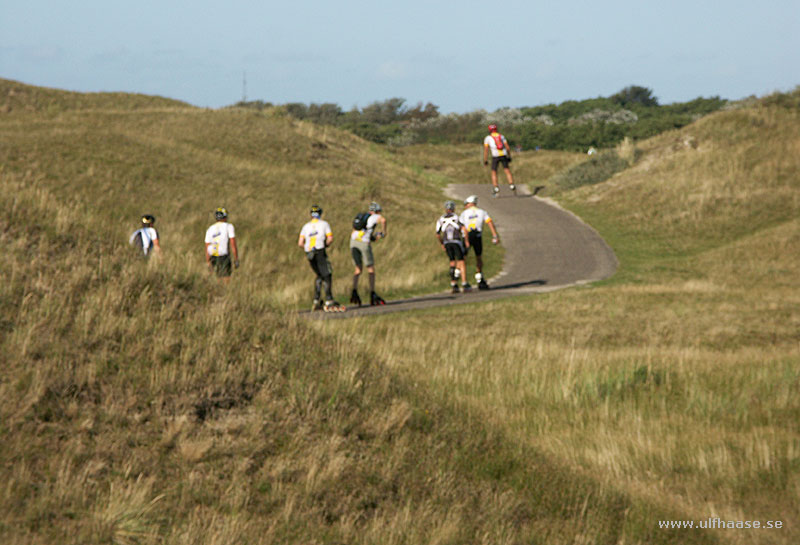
(253, 104)
(785, 100)
(635, 94)
(573, 125)
(604, 116)
(595, 170)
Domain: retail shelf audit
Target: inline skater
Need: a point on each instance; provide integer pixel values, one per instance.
(220, 242)
(315, 237)
(365, 230)
(146, 237)
(497, 144)
(473, 219)
(452, 235)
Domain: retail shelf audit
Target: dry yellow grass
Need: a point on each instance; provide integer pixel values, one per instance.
(676, 382)
(149, 404)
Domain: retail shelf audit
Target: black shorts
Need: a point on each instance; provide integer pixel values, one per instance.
(475, 242)
(455, 251)
(221, 264)
(502, 159)
(318, 259)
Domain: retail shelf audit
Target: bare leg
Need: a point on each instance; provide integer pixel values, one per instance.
(508, 176)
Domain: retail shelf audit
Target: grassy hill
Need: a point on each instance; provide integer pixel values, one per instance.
(149, 404)
(19, 99)
(675, 382)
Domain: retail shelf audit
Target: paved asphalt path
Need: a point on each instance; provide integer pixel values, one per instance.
(546, 248)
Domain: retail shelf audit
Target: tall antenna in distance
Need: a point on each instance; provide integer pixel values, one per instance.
(244, 86)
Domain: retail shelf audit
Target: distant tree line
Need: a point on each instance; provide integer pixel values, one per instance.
(603, 122)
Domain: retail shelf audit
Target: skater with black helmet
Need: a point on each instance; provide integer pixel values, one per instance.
(315, 236)
(474, 219)
(452, 235)
(366, 228)
(146, 236)
(497, 144)
(220, 244)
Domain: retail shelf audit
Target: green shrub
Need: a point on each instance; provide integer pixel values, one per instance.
(573, 125)
(598, 168)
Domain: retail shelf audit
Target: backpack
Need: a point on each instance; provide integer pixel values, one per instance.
(450, 229)
(360, 221)
(498, 140)
(138, 240)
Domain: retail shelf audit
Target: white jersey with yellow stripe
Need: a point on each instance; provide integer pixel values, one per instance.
(473, 218)
(314, 234)
(217, 238)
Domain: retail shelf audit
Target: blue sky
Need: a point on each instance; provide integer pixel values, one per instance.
(460, 55)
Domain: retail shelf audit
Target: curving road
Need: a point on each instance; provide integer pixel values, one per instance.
(546, 248)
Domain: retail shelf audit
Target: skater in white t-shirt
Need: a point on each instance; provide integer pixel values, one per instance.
(497, 144)
(315, 236)
(220, 245)
(146, 237)
(474, 219)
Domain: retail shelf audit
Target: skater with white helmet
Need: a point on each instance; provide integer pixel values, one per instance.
(452, 235)
(367, 227)
(501, 153)
(474, 219)
(315, 237)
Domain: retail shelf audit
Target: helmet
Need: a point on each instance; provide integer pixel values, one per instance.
(374, 207)
(148, 219)
(492, 127)
(220, 213)
(449, 205)
(316, 210)
(472, 199)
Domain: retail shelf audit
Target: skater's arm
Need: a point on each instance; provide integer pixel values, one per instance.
(235, 250)
(490, 223)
